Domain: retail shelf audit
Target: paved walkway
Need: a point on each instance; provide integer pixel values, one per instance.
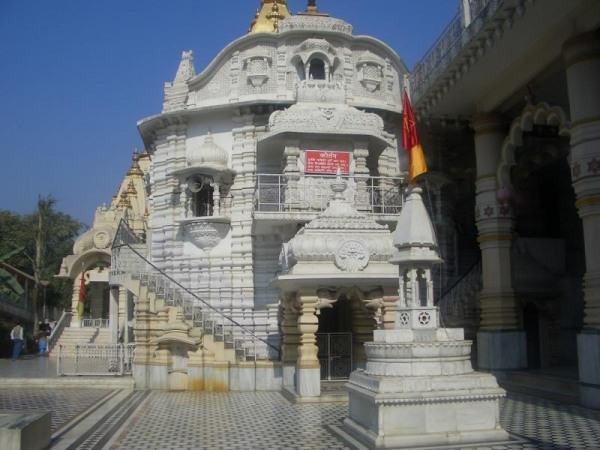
(29, 366)
(101, 419)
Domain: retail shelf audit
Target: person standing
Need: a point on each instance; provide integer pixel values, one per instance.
(16, 335)
(42, 338)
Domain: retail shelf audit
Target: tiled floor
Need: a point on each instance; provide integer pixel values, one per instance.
(65, 404)
(268, 421)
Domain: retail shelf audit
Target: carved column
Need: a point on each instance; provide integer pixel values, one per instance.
(390, 302)
(113, 314)
(361, 171)
(501, 340)
(291, 172)
(582, 56)
(216, 199)
(75, 320)
(308, 372)
(291, 338)
(363, 325)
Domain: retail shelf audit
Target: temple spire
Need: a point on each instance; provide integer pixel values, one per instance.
(269, 15)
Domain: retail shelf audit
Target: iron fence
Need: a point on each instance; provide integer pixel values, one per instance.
(95, 359)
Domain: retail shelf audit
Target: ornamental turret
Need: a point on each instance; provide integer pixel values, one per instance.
(176, 92)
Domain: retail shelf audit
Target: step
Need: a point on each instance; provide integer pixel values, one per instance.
(553, 386)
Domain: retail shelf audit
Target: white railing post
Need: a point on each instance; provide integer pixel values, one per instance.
(59, 361)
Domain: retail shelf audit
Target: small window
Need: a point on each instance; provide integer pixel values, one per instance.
(203, 201)
(317, 69)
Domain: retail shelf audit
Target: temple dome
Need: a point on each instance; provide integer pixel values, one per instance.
(208, 154)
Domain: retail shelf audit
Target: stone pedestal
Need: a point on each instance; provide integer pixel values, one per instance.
(588, 349)
(419, 390)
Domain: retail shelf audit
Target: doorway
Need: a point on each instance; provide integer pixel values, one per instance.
(334, 340)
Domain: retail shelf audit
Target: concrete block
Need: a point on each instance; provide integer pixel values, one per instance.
(24, 430)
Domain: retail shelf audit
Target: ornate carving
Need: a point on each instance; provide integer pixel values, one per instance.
(341, 119)
(316, 23)
(352, 256)
(101, 240)
(205, 235)
(257, 70)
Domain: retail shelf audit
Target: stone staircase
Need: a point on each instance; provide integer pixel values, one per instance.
(221, 335)
(72, 336)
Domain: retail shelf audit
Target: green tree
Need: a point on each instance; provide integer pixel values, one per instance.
(47, 236)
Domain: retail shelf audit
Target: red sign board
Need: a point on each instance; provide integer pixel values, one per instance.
(318, 161)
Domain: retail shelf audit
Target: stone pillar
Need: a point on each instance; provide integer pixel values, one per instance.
(361, 152)
(113, 314)
(308, 371)
(292, 173)
(363, 325)
(75, 319)
(501, 342)
(124, 314)
(582, 55)
(390, 301)
(289, 347)
(216, 199)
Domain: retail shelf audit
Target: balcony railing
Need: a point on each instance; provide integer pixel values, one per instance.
(95, 323)
(453, 39)
(277, 193)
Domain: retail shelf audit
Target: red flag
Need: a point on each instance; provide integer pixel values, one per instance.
(411, 142)
(82, 294)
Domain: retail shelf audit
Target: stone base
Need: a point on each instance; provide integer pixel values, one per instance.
(407, 412)
(308, 382)
(588, 349)
(289, 375)
(24, 430)
(501, 350)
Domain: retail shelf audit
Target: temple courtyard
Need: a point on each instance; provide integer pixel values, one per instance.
(116, 417)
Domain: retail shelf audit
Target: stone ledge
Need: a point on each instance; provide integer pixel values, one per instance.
(24, 430)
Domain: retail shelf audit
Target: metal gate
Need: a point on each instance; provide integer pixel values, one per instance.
(335, 355)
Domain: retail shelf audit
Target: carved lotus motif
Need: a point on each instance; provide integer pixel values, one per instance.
(352, 256)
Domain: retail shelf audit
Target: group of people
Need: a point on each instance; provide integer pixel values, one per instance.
(41, 336)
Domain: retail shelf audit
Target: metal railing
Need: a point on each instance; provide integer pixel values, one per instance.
(95, 359)
(95, 323)
(446, 48)
(281, 193)
(63, 322)
(129, 262)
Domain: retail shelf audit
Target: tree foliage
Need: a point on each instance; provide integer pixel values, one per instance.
(47, 236)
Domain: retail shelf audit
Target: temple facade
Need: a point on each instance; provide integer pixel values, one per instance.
(254, 252)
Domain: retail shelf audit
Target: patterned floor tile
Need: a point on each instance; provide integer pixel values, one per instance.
(65, 404)
(267, 421)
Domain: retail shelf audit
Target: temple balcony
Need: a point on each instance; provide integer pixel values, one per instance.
(300, 198)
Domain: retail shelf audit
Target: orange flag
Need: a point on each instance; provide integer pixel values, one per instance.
(411, 142)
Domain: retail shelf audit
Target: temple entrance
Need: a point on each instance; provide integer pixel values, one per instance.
(334, 339)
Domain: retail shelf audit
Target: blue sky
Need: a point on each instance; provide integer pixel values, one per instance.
(76, 76)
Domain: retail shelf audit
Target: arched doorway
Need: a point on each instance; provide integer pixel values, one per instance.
(334, 340)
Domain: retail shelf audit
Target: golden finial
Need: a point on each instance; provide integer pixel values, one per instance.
(269, 15)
